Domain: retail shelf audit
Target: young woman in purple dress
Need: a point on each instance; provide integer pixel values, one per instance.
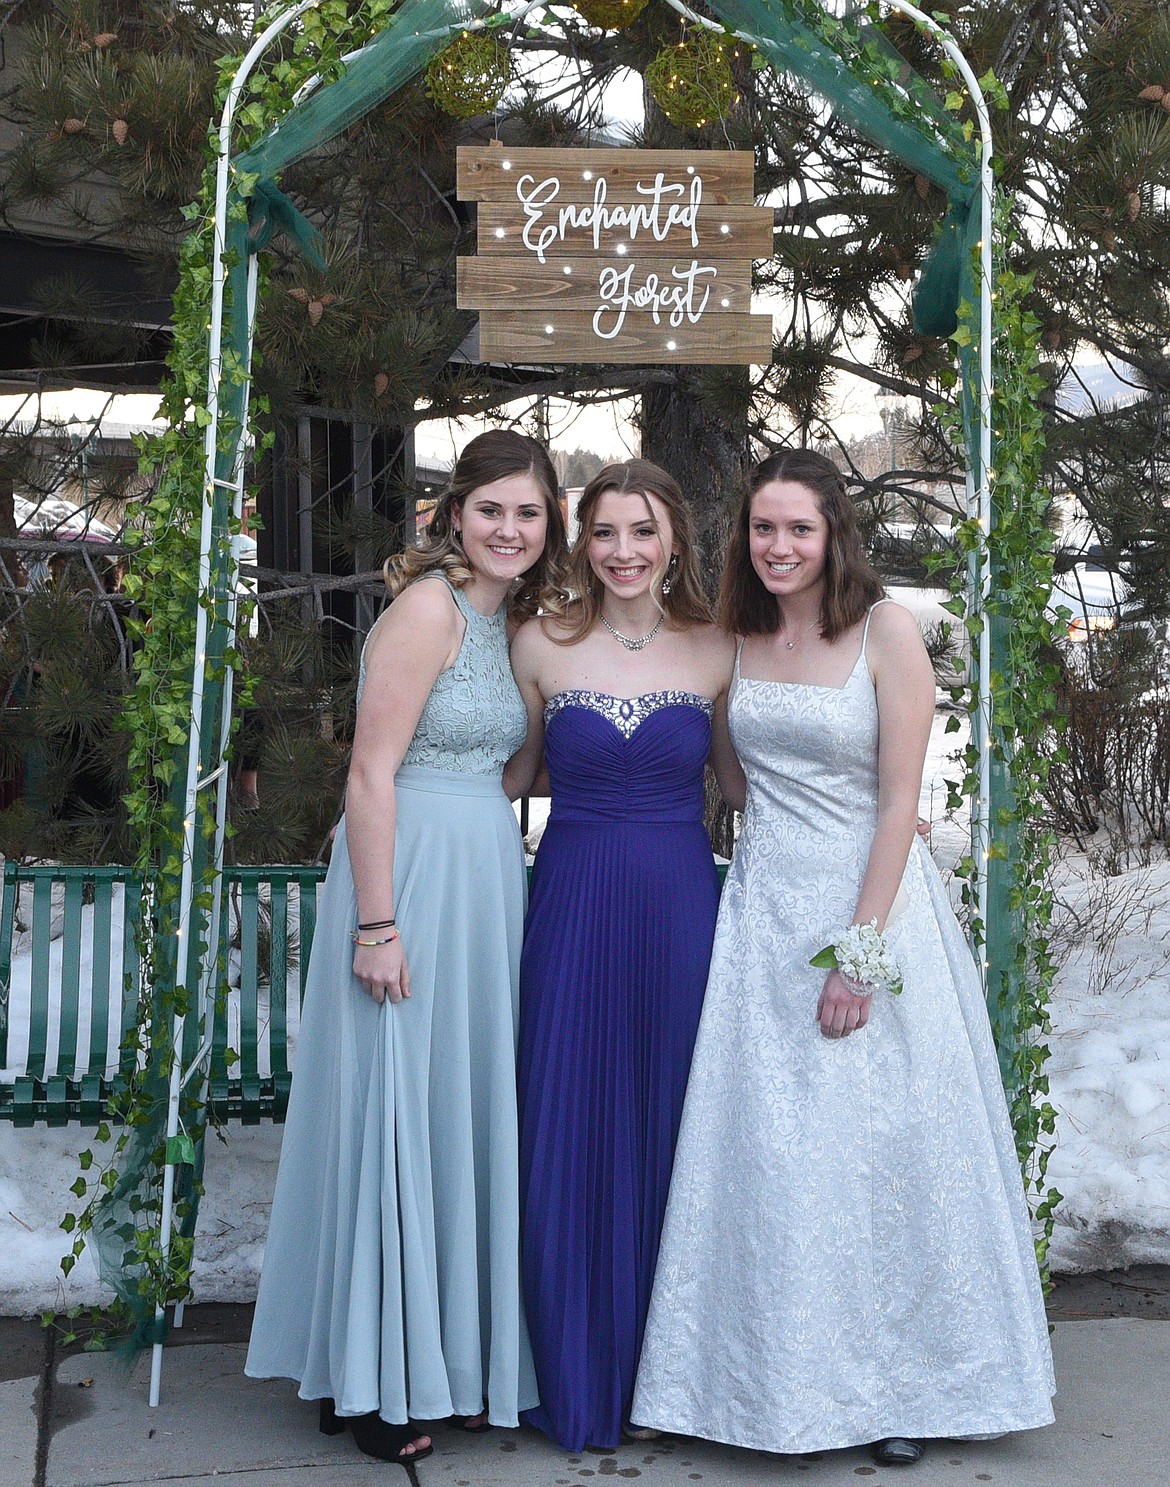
(627, 693)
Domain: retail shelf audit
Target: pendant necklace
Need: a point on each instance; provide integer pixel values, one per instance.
(791, 643)
(635, 642)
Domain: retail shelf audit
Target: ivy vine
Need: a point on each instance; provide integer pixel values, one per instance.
(1024, 707)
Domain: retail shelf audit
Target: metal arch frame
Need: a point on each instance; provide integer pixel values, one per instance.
(978, 498)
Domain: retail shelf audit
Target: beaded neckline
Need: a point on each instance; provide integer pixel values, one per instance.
(625, 713)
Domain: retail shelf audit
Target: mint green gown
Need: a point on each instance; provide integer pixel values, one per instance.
(391, 1275)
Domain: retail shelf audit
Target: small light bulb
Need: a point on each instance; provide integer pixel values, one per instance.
(505, 165)
(621, 250)
(725, 303)
(586, 175)
(723, 228)
(672, 345)
(500, 232)
(568, 269)
(548, 330)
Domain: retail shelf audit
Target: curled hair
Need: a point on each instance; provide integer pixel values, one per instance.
(491, 456)
(852, 584)
(686, 604)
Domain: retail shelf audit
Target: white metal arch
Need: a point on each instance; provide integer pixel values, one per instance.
(978, 497)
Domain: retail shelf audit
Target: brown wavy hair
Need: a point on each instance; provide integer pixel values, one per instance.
(852, 584)
(686, 604)
(491, 456)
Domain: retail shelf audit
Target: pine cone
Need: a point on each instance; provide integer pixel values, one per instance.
(300, 295)
(922, 186)
(120, 130)
(1155, 93)
(1133, 206)
(316, 310)
(73, 126)
(105, 38)
(381, 383)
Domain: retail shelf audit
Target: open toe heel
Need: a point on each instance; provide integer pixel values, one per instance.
(373, 1435)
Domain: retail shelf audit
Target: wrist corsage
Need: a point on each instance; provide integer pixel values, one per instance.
(861, 955)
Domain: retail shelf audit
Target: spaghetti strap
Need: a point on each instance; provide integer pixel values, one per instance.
(738, 652)
(868, 617)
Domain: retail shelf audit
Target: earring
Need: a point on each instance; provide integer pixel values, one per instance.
(668, 579)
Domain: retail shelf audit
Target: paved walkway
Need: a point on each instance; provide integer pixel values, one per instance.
(81, 1420)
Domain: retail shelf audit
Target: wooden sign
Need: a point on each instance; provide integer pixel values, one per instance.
(614, 255)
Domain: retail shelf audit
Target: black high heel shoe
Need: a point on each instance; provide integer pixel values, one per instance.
(373, 1435)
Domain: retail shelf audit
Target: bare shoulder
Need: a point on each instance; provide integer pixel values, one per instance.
(715, 642)
(539, 633)
(424, 612)
(894, 628)
(896, 651)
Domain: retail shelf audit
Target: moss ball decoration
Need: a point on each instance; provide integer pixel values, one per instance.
(692, 82)
(610, 15)
(469, 78)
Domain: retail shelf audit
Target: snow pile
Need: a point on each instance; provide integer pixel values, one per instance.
(1110, 1066)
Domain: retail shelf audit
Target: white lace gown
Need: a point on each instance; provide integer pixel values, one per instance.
(847, 1252)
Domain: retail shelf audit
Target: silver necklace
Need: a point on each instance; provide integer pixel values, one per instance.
(633, 642)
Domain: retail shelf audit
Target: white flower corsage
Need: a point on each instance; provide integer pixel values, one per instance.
(861, 955)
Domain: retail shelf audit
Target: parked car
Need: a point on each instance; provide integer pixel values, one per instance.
(1089, 598)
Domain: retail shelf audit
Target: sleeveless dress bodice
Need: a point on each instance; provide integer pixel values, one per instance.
(810, 757)
(474, 719)
(635, 759)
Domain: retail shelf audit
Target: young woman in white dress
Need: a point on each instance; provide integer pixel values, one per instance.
(847, 1255)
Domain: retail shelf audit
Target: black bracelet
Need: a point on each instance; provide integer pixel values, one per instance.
(379, 924)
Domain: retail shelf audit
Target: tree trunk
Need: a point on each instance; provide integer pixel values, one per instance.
(693, 428)
(686, 429)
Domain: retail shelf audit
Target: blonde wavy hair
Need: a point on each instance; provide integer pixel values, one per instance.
(489, 457)
(686, 604)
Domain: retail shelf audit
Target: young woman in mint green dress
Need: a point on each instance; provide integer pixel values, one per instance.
(391, 1283)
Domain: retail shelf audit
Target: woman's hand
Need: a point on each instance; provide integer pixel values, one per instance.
(839, 1010)
(382, 970)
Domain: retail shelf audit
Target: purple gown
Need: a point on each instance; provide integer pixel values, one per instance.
(617, 942)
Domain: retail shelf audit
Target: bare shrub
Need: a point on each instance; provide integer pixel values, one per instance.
(1110, 767)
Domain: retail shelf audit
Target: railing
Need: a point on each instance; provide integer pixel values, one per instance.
(70, 982)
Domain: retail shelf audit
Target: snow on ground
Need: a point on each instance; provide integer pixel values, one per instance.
(1110, 1083)
(1110, 1065)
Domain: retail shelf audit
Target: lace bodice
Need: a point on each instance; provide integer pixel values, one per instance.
(474, 719)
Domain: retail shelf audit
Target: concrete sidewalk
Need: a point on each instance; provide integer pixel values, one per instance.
(81, 1420)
